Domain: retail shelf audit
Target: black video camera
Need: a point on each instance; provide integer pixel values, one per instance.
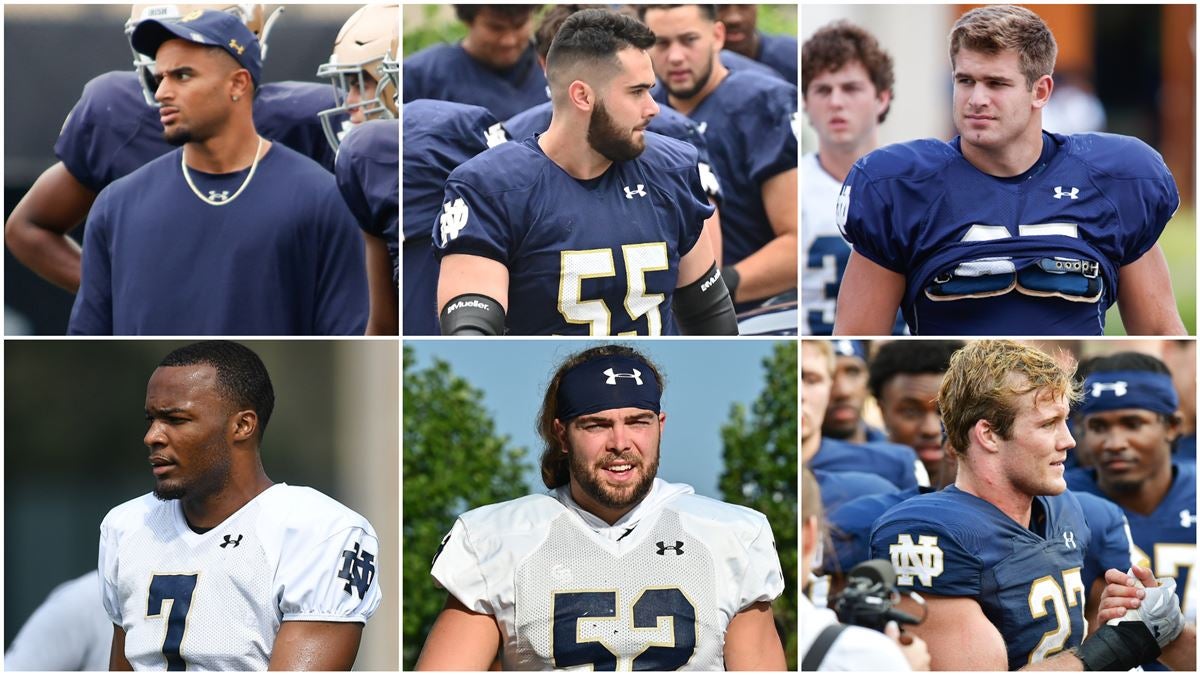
(870, 596)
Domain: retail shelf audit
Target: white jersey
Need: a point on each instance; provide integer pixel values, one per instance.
(68, 631)
(824, 251)
(654, 591)
(214, 601)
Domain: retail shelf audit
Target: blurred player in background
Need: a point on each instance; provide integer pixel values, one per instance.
(747, 121)
(298, 271)
(495, 66)
(847, 89)
(743, 37)
(115, 128)
(594, 227)
(1129, 420)
(1180, 358)
(1007, 229)
(69, 631)
(689, 579)
(218, 539)
(844, 418)
(998, 556)
(365, 71)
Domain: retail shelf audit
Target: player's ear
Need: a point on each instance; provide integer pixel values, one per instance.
(1041, 91)
(560, 432)
(581, 95)
(241, 85)
(985, 435)
(1174, 425)
(718, 36)
(882, 102)
(245, 425)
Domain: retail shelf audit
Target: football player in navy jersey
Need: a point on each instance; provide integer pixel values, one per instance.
(999, 555)
(1007, 229)
(844, 420)
(495, 66)
(364, 68)
(167, 249)
(743, 37)
(1180, 358)
(594, 227)
(847, 89)
(112, 130)
(1129, 420)
(438, 137)
(747, 121)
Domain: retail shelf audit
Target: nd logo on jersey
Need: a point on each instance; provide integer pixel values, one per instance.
(453, 220)
(922, 559)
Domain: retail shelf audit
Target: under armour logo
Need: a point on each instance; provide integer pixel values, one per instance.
(1118, 388)
(453, 220)
(1186, 519)
(1069, 540)
(922, 559)
(1059, 194)
(236, 47)
(218, 196)
(495, 135)
(663, 548)
(639, 191)
(613, 375)
(229, 540)
(358, 569)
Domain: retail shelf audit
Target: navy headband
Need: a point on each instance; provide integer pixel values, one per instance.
(850, 348)
(1119, 389)
(606, 383)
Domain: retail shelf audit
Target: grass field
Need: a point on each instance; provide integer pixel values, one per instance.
(1178, 242)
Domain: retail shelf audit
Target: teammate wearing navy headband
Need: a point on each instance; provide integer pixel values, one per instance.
(229, 235)
(1129, 419)
(1007, 229)
(613, 569)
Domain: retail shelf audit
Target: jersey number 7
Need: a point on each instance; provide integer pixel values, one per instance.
(176, 588)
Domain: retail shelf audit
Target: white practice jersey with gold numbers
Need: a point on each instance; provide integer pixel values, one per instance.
(654, 591)
(215, 601)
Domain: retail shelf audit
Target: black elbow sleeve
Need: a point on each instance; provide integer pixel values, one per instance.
(472, 314)
(704, 306)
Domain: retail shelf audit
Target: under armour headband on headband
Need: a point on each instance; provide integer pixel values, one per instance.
(1119, 389)
(856, 348)
(606, 383)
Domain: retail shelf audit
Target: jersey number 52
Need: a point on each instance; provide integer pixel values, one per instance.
(581, 618)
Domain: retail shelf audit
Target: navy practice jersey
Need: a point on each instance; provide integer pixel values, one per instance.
(1110, 547)
(1035, 255)
(111, 131)
(779, 52)
(584, 257)
(839, 487)
(735, 61)
(368, 174)
(448, 73)
(747, 122)
(283, 258)
(438, 136)
(1167, 537)
(1185, 449)
(898, 464)
(667, 122)
(1028, 582)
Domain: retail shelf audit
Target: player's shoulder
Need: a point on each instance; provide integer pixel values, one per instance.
(299, 507)
(671, 122)
(864, 510)
(668, 154)
(513, 517)
(504, 167)
(432, 114)
(1185, 474)
(908, 160)
(116, 87)
(433, 56)
(750, 89)
(1096, 509)
(373, 138)
(717, 514)
(298, 101)
(132, 514)
(535, 120)
(1115, 155)
(948, 511)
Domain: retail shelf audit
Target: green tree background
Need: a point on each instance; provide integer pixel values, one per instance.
(760, 472)
(453, 462)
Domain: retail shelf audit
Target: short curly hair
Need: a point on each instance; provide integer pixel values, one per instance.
(985, 379)
(842, 42)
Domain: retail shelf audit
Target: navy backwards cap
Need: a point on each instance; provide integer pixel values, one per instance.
(211, 27)
(606, 383)
(850, 348)
(1120, 389)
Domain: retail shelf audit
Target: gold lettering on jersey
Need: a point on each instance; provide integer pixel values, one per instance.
(922, 559)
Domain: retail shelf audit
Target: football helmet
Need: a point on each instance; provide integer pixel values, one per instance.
(254, 16)
(368, 46)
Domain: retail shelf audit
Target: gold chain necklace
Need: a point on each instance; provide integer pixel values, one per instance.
(225, 200)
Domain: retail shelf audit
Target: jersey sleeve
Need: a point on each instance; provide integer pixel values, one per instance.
(1146, 207)
(763, 578)
(458, 569)
(692, 203)
(108, 563)
(864, 218)
(927, 557)
(80, 143)
(472, 223)
(350, 177)
(1110, 546)
(68, 631)
(342, 298)
(768, 130)
(92, 312)
(333, 580)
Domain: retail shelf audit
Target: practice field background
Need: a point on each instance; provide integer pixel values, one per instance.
(1127, 69)
(74, 423)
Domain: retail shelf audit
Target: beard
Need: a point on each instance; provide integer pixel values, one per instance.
(211, 479)
(178, 137)
(702, 79)
(588, 479)
(605, 138)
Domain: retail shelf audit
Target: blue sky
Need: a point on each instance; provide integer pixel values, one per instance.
(704, 378)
